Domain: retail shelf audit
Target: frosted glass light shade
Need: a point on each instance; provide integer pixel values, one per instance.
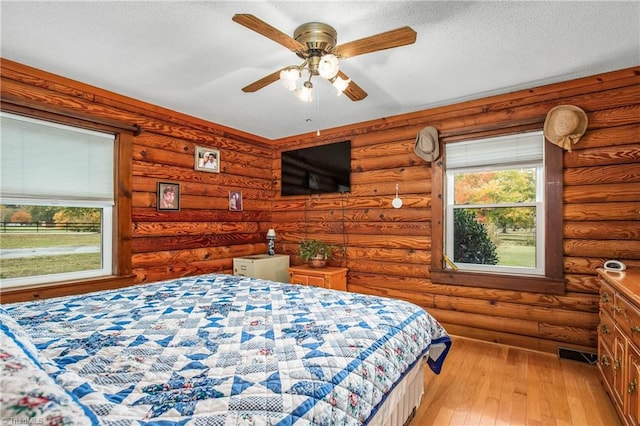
(328, 66)
(289, 77)
(305, 93)
(340, 84)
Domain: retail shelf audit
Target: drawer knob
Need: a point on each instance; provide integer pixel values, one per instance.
(617, 309)
(604, 329)
(635, 329)
(617, 364)
(604, 361)
(633, 386)
(605, 297)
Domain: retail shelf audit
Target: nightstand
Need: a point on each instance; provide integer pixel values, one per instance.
(328, 277)
(263, 266)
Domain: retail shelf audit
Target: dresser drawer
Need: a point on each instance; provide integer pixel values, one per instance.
(607, 297)
(628, 318)
(605, 365)
(329, 277)
(606, 328)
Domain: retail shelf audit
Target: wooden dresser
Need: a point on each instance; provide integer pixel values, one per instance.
(619, 341)
(327, 277)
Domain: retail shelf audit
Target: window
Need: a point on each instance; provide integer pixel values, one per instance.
(495, 205)
(497, 214)
(57, 202)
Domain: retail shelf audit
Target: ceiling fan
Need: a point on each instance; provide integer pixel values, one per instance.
(315, 43)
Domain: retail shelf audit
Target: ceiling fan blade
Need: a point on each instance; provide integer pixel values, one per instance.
(387, 40)
(263, 82)
(268, 31)
(353, 91)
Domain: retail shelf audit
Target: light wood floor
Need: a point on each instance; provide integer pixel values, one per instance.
(488, 384)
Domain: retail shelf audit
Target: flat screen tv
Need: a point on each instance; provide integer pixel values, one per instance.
(316, 170)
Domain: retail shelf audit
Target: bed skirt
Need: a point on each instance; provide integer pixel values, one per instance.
(402, 401)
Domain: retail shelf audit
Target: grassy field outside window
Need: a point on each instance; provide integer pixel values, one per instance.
(32, 264)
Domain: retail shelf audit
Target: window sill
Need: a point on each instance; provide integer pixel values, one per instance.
(528, 283)
(65, 288)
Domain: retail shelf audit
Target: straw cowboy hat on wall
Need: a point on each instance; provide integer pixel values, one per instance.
(427, 146)
(565, 125)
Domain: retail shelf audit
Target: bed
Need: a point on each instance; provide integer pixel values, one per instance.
(216, 350)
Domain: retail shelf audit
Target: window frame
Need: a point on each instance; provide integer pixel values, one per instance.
(510, 162)
(122, 231)
(552, 281)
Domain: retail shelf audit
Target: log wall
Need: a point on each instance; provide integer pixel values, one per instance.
(203, 236)
(387, 250)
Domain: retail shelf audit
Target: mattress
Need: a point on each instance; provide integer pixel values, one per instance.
(217, 350)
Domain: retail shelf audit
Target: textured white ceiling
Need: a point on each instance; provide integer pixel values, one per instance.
(190, 57)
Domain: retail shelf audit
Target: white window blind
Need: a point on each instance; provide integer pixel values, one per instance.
(42, 160)
(503, 150)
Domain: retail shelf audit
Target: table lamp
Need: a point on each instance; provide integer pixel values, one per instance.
(271, 240)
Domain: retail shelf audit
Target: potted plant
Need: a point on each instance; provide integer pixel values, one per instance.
(315, 252)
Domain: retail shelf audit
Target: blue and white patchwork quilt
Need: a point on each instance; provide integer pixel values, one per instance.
(211, 350)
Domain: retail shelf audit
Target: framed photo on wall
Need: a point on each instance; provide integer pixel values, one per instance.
(207, 159)
(235, 201)
(168, 197)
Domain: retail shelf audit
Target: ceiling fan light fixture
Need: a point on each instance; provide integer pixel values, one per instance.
(289, 78)
(305, 93)
(340, 84)
(316, 44)
(328, 66)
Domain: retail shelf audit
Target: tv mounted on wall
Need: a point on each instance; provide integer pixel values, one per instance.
(316, 170)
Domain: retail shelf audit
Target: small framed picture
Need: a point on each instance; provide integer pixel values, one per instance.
(207, 159)
(235, 201)
(168, 197)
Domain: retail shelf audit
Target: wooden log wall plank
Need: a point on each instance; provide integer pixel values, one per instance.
(520, 326)
(527, 342)
(600, 156)
(582, 283)
(169, 257)
(146, 215)
(610, 136)
(602, 211)
(153, 244)
(618, 230)
(617, 249)
(601, 175)
(601, 193)
(293, 217)
(500, 309)
(164, 229)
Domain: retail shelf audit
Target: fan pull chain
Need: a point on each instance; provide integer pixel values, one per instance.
(318, 111)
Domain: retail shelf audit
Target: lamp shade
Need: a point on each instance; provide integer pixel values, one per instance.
(340, 84)
(328, 66)
(289, 77)
(271, 233)
(305, 92)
